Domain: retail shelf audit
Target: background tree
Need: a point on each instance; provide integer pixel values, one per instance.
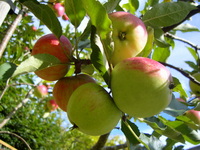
(42, 128)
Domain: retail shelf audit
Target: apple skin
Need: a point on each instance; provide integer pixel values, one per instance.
(129, 36)
(52, 105)
(65, 17)
(193, 86)
(59, 9)
(140, 86)
(49, 44)
(64, 88)
(92, 110)
(194, 115)
(41, 91)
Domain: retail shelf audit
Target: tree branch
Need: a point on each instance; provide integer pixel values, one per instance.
(101, 142)
(19, 137)
(189, 76)
(193, 12)
(196, 47)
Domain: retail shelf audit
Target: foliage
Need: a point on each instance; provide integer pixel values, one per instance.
(45, 130)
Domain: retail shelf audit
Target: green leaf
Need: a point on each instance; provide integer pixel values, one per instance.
(111, 5)
(186, 28)
(97, 58)
(131, 6)
(162, 129)
(189, 134)
(128, 133)
(153, 142)
(194, 53)
(159, 38)
(149, 45)
(175, 108)
(167, 14)
(178, 88)
(99, 17)
(75, 11)
(160, 54)
(46, 15)
(7, 69)
(33, 63)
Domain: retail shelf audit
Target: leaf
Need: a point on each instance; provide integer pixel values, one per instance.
(160, 54)
(46, 15)
(186, 28)
(98, 16)
(167, 14)
(131, 6)
(111, 5)
(7, 69)
(97, 58)
(128, 133)
(175, 108)
(153, 142)
(149, 45)
(75, 11)
(162, 129)
(178, 87)
(159, 38)
(35, 62)
(194, 53)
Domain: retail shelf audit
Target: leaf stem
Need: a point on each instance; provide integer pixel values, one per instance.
(134, 134)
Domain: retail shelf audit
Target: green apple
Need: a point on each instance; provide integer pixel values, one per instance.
(129, 36)
(64, 88)
(41, 91)
(194, 115)
(140, 86)
(60, 48)
(195, 88)
(92, 110)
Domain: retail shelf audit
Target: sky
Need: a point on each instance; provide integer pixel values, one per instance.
(178, 56)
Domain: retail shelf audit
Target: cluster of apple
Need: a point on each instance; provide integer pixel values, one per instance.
(140, 87)
(58, 8)
(41, 91)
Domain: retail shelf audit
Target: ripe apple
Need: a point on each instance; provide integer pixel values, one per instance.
(195, 88)
(60, 48)
(140, 86)
(129, 36)
(34, 28)
(194, 115)
(59, 9)
(65, 17)
(64, 88)
(52, 105)
(92, 110)
(41, 91)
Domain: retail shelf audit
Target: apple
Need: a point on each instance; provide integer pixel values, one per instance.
(59, 9)
(195, 88)
(52, 105)
(41, 91)
(34, 28)
(92, 110)
(129, 36)
(140, 86)
(194, 115)
(64, 88)
(60, 48)
(65, 17)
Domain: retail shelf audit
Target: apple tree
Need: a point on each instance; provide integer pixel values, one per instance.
(122, 47)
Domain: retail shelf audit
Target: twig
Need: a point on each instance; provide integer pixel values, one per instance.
(101, 142)
(8, 117)
(10, 32)
(189, 76)
(193, 12)
(116, 147)
(196, 47)
(7, 132)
